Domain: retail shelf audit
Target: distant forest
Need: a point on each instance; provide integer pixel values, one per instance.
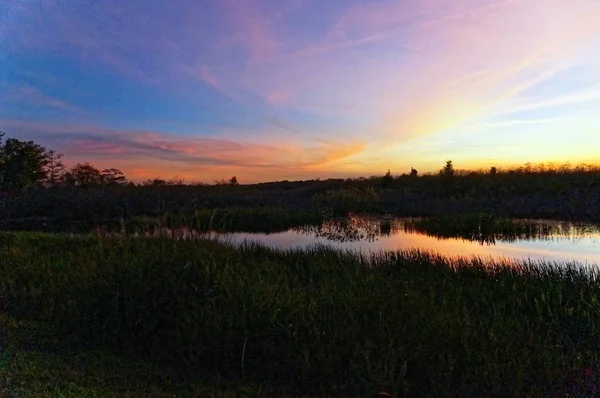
(34, 183)
(26, 164)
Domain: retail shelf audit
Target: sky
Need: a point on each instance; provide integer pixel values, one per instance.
(298, 89)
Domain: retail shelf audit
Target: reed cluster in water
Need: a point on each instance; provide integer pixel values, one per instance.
(315, 321)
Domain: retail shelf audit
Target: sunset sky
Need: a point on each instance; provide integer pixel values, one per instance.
(299, 89)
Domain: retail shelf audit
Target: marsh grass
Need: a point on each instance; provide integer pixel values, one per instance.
(216, 220)
(316, 321)
(37, 362)
(255, 219)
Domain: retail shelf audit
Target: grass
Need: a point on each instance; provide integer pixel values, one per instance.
(316, 322)
(38, 362)
(266, 220)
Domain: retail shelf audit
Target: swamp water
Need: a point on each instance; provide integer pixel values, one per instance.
(546, 240)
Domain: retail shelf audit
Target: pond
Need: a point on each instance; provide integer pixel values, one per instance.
(541, 240)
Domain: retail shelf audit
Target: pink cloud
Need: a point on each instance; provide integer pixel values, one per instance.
(210, 79)
(171, 154)
(490, 51)
(278, 97)
(252, 27)
(400, 69)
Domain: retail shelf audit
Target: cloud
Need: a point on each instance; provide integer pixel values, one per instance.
(336, 152)
(412, 69)
(588, 95)
(252, 29)
(128, 149)
(210, 79)
(316, 85)
(30, 96)
(138, 39)
(485, 59)
(285, 126)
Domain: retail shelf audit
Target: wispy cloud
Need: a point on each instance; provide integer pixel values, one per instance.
(30, 96)
(251, 27)
(315, 85)
(208, 77)
(127, 148)
(588, 95)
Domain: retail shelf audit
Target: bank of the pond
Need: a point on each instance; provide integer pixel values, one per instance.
(266, 220)
(316, 322)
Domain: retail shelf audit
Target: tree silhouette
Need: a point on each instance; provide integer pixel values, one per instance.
(22, 164)
(413, 172)
(233, 181)
(55, 169)
(387, 178)
(84, 174)
(113, 176)
(493, 171)
(448, 169)
(154, 182)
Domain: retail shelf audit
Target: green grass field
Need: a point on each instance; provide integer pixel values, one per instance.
(90, 316)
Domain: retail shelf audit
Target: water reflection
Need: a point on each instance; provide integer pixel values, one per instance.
(352, 229)
(534, 240)
(370, 229)
(522, 230)
(523, 240)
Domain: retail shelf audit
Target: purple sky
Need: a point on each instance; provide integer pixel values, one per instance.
(297, 89)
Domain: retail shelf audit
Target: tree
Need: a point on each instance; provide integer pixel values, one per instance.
(154, 182)
(55, 169)
(113, 176)
(22, 164)
(233, 181)
(387, 178)
(448, 169)
(176, 181)
(413, 172)
(493, 171)
(84, 174)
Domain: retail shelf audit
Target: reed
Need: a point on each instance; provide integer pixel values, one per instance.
(317, 321)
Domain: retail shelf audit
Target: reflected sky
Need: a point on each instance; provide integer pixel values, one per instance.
(567, 242)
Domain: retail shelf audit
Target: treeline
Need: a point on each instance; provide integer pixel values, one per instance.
(25, 164)
(84, 193)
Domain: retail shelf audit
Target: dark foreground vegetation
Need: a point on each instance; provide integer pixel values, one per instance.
(318, 322)
(38, 362)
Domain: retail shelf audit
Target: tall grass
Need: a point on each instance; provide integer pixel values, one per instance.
(265, 220)
(316, 321)
(254, 219)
